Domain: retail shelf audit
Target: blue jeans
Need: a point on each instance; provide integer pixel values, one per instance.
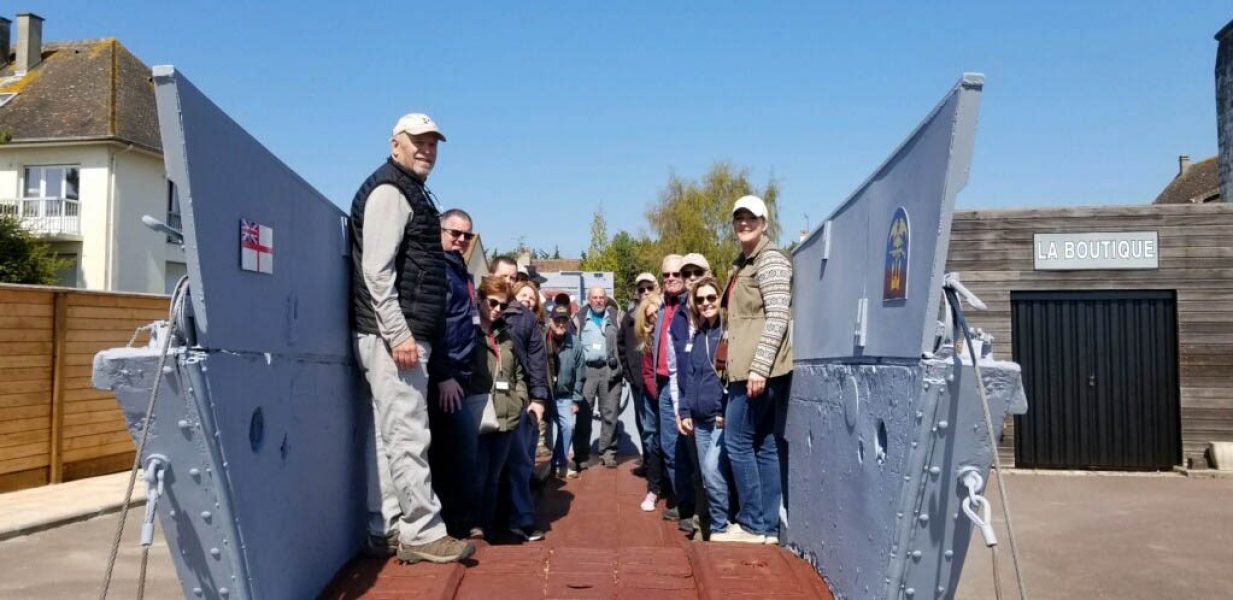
(713, 462)
(563, 417)
(652, 454)
(520, 463)
(493, 452)
(678, 473)
(753, 440)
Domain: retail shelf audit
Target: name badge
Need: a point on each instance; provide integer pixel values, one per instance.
(475, 319)
(502, 386)
(597, 346)
(689, 347)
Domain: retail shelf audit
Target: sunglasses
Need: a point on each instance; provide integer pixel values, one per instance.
(493, 303)
(706, 299)
(692, 273)
(642, 289)
(465, 235)
(672, 275)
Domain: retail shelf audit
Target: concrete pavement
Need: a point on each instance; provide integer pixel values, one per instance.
(29, 511)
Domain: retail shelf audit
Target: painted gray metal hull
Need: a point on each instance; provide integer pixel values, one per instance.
(878, 428)
(260, 414)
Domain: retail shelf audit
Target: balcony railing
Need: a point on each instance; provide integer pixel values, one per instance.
(45, 216)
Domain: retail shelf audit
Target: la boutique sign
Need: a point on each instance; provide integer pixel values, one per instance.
(1096, 251)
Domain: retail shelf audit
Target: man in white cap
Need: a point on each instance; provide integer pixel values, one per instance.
(694, 266)
(398, 291)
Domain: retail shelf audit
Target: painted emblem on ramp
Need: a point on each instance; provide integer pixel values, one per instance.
(256, 247)
(895, 277)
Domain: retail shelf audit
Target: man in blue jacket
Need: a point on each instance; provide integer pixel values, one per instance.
(453, 450)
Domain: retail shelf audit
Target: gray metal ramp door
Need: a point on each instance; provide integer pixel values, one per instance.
(1101, 376)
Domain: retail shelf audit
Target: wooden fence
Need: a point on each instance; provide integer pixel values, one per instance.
(54, 426)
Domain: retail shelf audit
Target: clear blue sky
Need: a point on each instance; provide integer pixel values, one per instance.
(552, 109)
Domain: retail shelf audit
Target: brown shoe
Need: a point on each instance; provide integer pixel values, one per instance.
(441, 550)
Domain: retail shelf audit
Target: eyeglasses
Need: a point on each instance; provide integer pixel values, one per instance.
(642, 289)
(692, 273)
(706, 299)
(672, 275)
(465, 235)
(493, 303)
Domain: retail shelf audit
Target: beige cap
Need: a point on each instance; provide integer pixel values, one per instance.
(697, 260)
(752, 204)
(644, 276)
(671, 261)
(417, 124)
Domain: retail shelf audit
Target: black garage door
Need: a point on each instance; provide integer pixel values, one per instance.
(1100, 371)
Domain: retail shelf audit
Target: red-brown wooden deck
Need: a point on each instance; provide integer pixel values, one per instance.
(599, 545)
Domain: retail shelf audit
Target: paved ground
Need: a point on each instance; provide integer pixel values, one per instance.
(1112, 536)
(35, 509)
(1082, 536)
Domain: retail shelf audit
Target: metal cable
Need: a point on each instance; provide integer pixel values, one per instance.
(177, 302)
(962, 323)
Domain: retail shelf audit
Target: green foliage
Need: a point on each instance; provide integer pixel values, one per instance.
(695, 216)
(623, 255)
(24, 258)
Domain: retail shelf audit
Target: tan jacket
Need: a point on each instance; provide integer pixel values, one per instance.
(759, 304)
(500, 374)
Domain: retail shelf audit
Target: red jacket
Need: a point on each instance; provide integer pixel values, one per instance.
(648, 376)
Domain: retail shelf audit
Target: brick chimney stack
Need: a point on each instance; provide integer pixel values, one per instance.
(1224, 109)
(29, 41)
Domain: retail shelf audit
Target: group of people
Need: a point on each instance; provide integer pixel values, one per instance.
(467, 380)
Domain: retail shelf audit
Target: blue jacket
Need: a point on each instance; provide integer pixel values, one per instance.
(529, 348)
(678, 330)
(452, 357)
(566, 368)
(705, 398)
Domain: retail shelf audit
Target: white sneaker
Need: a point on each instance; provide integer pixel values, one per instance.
(648, 503)
(734, 533)
(770, 540)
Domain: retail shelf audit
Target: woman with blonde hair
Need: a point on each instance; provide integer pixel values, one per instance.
(645, 314)
(527, 294)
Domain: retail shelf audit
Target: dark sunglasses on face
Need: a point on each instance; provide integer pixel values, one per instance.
(692, 273)
(672, 275)
(706, 299)
(465, 235)
(645, 288)
(494, 303)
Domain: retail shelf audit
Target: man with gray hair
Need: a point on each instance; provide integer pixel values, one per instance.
(398, 292)
(598, 328)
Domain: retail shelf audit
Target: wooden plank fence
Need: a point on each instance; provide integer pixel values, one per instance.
(54, 426)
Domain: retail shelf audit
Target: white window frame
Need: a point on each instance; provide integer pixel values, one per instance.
(28, 170)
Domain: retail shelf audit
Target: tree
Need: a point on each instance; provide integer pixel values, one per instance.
(24, 258)
(696, 216)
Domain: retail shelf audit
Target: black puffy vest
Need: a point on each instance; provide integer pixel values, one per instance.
(419, 265)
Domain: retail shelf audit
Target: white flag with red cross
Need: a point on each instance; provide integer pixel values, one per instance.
(256, 247)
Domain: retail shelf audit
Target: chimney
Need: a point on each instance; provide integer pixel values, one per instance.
(1224, 109)
(1183, 163)
(5, 47)
(29, 41)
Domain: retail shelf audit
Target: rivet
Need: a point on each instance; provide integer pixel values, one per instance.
(943, 424)
(923, 518)
(899, 515)
(168, 370)
(171, 512)
(215, 552)
(915, 444)
(910, 591)
(920, 415)
(194, 472)
(224, 592)
(206, 516)
(907, 478)
(916, 554)
(926, 385)
(935, 470)
(197, 591)
(941, 590)
(182, 424)
(948, 554)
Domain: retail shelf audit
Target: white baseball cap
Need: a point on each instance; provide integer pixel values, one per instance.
(697, 260)
(752, 204)
(417, 124)
(644, 276)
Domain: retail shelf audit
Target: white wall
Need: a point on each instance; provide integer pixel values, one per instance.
(140, 253)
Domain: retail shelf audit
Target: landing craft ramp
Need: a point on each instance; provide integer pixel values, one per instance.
(880, 426)
(261, 427)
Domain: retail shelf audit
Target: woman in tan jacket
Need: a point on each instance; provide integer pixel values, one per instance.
(758, 299)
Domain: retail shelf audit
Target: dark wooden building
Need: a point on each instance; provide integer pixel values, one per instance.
(1122, 317)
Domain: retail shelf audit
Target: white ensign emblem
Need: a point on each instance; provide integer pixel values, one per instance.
(256, 247)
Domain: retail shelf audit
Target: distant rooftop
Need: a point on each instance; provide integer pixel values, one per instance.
(81, 90)
(1195, 183)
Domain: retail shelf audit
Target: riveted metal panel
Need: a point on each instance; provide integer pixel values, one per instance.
(1101, 371)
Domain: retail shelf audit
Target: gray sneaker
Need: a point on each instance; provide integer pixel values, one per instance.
(377, 546)
(441, 550)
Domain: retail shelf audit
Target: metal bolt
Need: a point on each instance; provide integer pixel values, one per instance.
(920, 415)
(915, 444)
(224, 592)
(206, 516)
(197, 591)
(935, 471)
(182, 424)
(195, 473)
(923, 519)
(916, 554)
(948, 554)
(943, 424)
(910, 591)
(215, 552)
(926, 385)
(168, 370)
(941, 590)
